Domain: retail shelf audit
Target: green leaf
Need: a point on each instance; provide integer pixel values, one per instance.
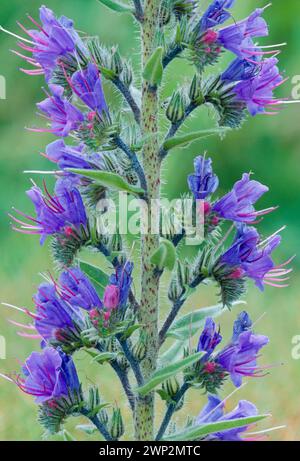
(185, 139)
(67, 436)
(130, 330)
(103, 357)
(98, 408)
(87, 428)
(165, 373)
(108, 179)
(117, 6)
(196, 432)
(153, 71)
(187, 326)
(164, 256)
(174, 353)
(98, 278)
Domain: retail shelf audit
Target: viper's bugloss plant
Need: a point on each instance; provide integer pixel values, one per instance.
(112, 312)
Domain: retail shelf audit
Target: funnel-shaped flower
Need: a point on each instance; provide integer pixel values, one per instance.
(257, 93)
(214, 411)
(237, 205)
(239, 358)
(76, 289)
(88, 87)
(203, 182)
(215, 14)
(63, 212)
(64, 117)
(253, 257)
(54, 38)
(49, 375)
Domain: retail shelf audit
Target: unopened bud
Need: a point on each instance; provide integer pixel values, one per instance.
(139, 350)
(111, 297)
(117, 425)
(127, 74)
(171, 387)
(176, 108)
(116, 63)
(195, 92)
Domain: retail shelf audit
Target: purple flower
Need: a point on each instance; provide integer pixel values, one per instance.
(66, 156)
(88, 87)
(203, 182)
(240, 69)
(49, 375)
(239, 358)
(64, 117)
(242, 323)
(214, 411)
(238, 37)
(53, 39)
(63, 212)
(55, 318)
(253, 257)
(122, 279)
(257, 93)
(216, 14)
(237, 205)
(209, 338)
(77, 290)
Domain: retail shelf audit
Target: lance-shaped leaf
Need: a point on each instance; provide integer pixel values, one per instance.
(167, 372)
(164, 256)
(87, 428)
(185, 139)
(98, 278)
(174, 353)
(108, 179)
(187, 326)
(119, 7)
(196, 432)
(102, 357)
(153, 71)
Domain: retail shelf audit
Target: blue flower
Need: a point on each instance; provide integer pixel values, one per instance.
(75, 287)
(123, 280)
(240, 69)
(49, 375)
(64, 117)
(214, 411)
(257, 93)
(238, 37)
(216, 14)
(63, 212)
(203, 182)
(239, 358)
(54, 38)
(237, 205)
(209, 338)
(55, 318)
(88, 87)
(253, 257)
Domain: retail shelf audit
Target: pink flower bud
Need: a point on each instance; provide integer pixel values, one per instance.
(210, 37)
(237, 273)
(111, 297)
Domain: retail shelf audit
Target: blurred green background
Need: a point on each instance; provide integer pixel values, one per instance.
(268, 146)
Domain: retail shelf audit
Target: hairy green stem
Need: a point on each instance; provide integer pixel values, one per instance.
(148, 313)
(170, 411)
(175, 127)
(124, 90)
(101, 427)
(134, 160)
(123, 377)
(131, 360)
